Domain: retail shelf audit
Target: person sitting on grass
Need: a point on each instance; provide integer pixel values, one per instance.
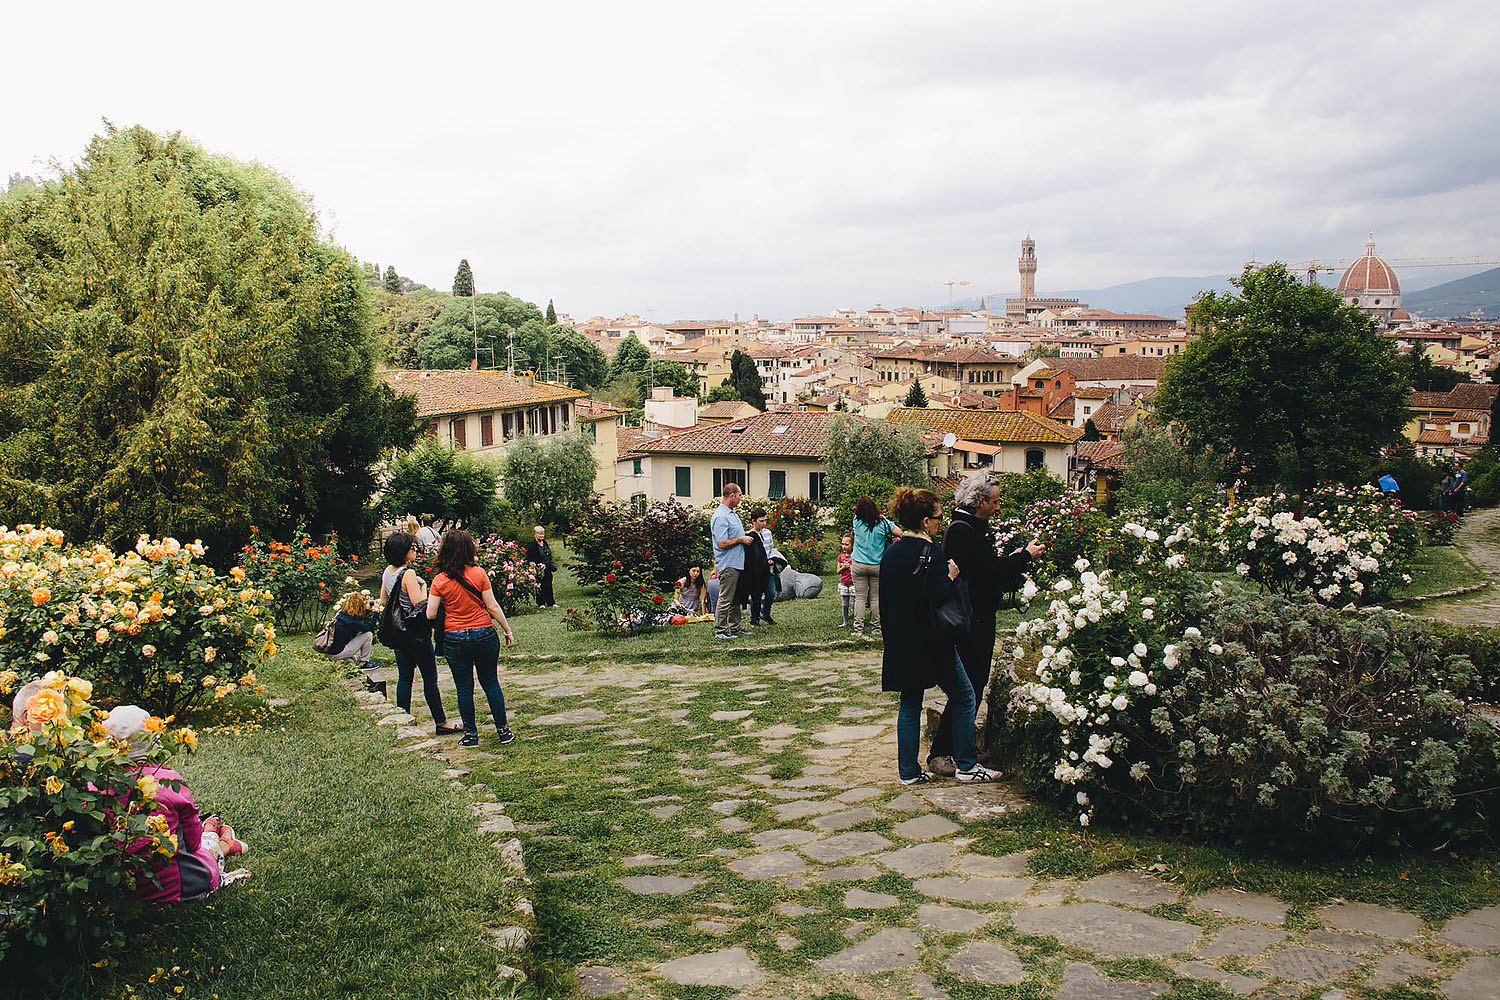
(196, 867)
(691, 596)
(354, 632)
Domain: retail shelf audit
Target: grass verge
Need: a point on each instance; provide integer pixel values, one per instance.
(1438, 569)
(368, 878)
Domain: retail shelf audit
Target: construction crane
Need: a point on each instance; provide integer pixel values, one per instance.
(1312, 267)
(950, 285)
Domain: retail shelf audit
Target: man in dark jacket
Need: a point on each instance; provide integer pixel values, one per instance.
(757, 572)
(969, 542)
(539, 552)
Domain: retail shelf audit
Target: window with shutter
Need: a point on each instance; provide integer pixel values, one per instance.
(458, 432)
(486, 430)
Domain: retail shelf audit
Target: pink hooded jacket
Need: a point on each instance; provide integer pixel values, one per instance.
(193, 872)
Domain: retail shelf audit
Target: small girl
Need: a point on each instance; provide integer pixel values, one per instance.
(846, 576)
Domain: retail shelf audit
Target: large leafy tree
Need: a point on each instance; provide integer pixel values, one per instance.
(392, 281)
(456, 488)
(746, 379)
(180, 352)
(722, 393)
(1286, 379)
(463, 280)
(548, 480)
(1425, 376)
(403, 321)
(630, 357)
(585, 365)
(500, 319)
(666, 373)
(855, 446)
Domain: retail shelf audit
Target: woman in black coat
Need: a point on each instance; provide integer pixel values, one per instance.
(915, 579)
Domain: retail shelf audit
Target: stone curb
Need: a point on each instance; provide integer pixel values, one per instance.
(1447, 593)
(515, 940)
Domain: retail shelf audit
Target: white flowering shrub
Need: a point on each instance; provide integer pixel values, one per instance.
(1267, 720)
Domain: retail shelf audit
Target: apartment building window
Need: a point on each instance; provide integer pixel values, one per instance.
(1035, 459)
(458, 432)
(635, 467)
(777, 486)
(684, 482)
(815, 482)
(486, 430)
(723, 477)
(508, 425)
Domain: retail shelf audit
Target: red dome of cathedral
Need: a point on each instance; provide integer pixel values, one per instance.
(1369, 274)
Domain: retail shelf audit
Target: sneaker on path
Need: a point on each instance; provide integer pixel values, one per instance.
(978, 773)
(506, 736)
(469, 740)
(945, 766)
(920, 779)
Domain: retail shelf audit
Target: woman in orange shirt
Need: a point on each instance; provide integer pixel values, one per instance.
(470, 642)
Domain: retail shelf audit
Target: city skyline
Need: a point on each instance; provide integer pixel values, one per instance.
(697, 163)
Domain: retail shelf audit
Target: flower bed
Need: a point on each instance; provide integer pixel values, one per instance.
(154, 626)
(304, 579)
(514, 578)
(666, 535)
(70, 806)
(1245, 717)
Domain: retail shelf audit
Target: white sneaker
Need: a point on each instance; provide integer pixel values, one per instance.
(977, 773)
(920, 779)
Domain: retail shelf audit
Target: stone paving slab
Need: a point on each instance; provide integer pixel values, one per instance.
(1108, 930)
(1243, 940)
(1307, 965)
(845, 845)
(1399, 968)
(1082, 981)
(1367, 918)
(951, 919)
(730, 967)
(919, 859)
(979, 889)
(891, 948)
(1254, 906)
(1231, 981)
(1479, 930)
(1362, 944)
(666, 885)
(1478, 979)
(764, 866)
(986, 962)
(1130, 888)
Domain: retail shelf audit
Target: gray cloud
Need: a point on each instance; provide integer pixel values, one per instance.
(785, 158)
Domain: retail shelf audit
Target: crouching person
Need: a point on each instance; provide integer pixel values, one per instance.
(195, 867)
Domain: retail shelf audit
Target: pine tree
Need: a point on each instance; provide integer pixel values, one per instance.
(1090, 431)
(392, 280)
(551, 313)
(463, 281)
(746, 379)
(916, 396)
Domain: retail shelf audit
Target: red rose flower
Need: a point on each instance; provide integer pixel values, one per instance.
(610, 577)
(642, 586)
(656, 598)
(616, 564)
(648, 555)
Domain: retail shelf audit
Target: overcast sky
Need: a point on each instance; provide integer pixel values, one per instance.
(697, 159)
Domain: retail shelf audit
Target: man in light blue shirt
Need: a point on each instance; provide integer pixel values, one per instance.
(729, 559)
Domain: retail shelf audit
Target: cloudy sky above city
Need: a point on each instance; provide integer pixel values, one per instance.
(699, 160)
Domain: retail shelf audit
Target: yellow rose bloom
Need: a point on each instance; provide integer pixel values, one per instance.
(53, 785)
(187, 738)
(209, 654)
(148, 650)
(147, 786)
(82, 688)
(101, 635)
(46, 705)
(153, 724)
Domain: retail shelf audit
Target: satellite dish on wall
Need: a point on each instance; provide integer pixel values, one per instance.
(950, 439)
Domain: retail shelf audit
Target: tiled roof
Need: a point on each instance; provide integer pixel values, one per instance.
(440, 392)
(593, 410)
(1470, 414)
(988, 425)
(724, 409)
(1135, 368)
(1110, 417)
(1460, 397)
(1098, 452)
(1436, 435)
(804, 435)
(1063, 411)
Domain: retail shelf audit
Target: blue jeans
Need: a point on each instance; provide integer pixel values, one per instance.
(421, 658)
(909, 723)
(760, 604)
(473, 651)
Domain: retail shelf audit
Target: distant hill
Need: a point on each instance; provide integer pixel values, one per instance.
(1458, 298)
(1154, 296)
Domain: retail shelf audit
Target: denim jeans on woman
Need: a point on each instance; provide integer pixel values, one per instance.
(419, 658)
(909, 723)
(473, 651)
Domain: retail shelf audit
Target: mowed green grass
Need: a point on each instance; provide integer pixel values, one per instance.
(1437, 569)
(368, 877)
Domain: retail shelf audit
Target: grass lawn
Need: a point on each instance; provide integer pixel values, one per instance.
(368, 877)
(1437, 569)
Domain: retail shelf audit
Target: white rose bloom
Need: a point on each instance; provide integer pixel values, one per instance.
(1215, 648)
(1120, 702)
(1148, 614)
(1139, 649)
(1083, 819)
(1149, 689)
(1137, 679)
(1116, 661)
(1063, 586)
(1111, 681)
(1083, 798)
(1081, 564)
(1191, 632)
(1075, 678)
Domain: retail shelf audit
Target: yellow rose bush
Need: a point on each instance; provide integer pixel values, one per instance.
(71, 805)
(149, 626)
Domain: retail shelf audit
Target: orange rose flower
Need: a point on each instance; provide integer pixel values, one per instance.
(46, 705)
(41, 595)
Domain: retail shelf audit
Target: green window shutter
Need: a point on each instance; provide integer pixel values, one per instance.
(684, 481)
(777, 488)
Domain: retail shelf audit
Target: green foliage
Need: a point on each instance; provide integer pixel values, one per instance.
(1421, 479)
(1287, 379)
(1484, 475)
(513, 577)
(463, 280)
(503, 323)
(793, 517)
(808, 555)
(392, 281)
(629, 598)
(306, 581)
(1019, 490)
(855, 445)
(404, 320)
(584, 364)
(631, 356)
(1480, 645)
(1090, 430)
(551, 313)
(916, 395)
(181, 353)
(1036, 351)
(1424, 376)
(456, 488)
(746, 378)
(1279, 723)
(866, 484)
(667, 535)
(547, 479)
(69, 813)
(154, 626)
(1162, 472)
(725, 393)
(674, 374)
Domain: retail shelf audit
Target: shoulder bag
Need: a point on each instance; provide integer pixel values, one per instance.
(323, 641)
(956, 614)
(402, 623)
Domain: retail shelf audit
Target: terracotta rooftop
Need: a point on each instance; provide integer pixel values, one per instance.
(724, 409)
(775, 434)
(1436, 435)
(1108, 454)
(1460, 397)
(997, 426)
(593, 410)
(1121, 367)
(1110, 417)
(441, 392)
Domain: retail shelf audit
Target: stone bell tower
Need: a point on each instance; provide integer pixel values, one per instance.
(1027, 265)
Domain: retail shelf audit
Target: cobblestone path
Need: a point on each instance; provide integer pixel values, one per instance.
(740, 832)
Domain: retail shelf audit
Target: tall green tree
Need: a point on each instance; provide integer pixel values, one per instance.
(916, 395)
(585, 365)
(1287, 380)
(403, 321)
(1090, 430)
(500, 319)
(856, 446)
(181, 353)
(630, 357)
(723, 393)
(674, 374)
(456, 488)
(746, 379)
(392, 282)
(551, 313)
(463, 280)
(548, 480)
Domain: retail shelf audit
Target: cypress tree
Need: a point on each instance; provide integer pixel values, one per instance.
(463, 281)
(916, 395)
(746, 379)
(392, 280)
(551, 314)
(1090, 431)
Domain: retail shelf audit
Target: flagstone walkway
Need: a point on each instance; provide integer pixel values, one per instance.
(739, 832)
(1477, 539)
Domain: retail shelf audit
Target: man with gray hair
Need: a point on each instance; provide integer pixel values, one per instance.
(969, 542)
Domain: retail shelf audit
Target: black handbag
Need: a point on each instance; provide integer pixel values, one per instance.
(956, 614)
(402, 624)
